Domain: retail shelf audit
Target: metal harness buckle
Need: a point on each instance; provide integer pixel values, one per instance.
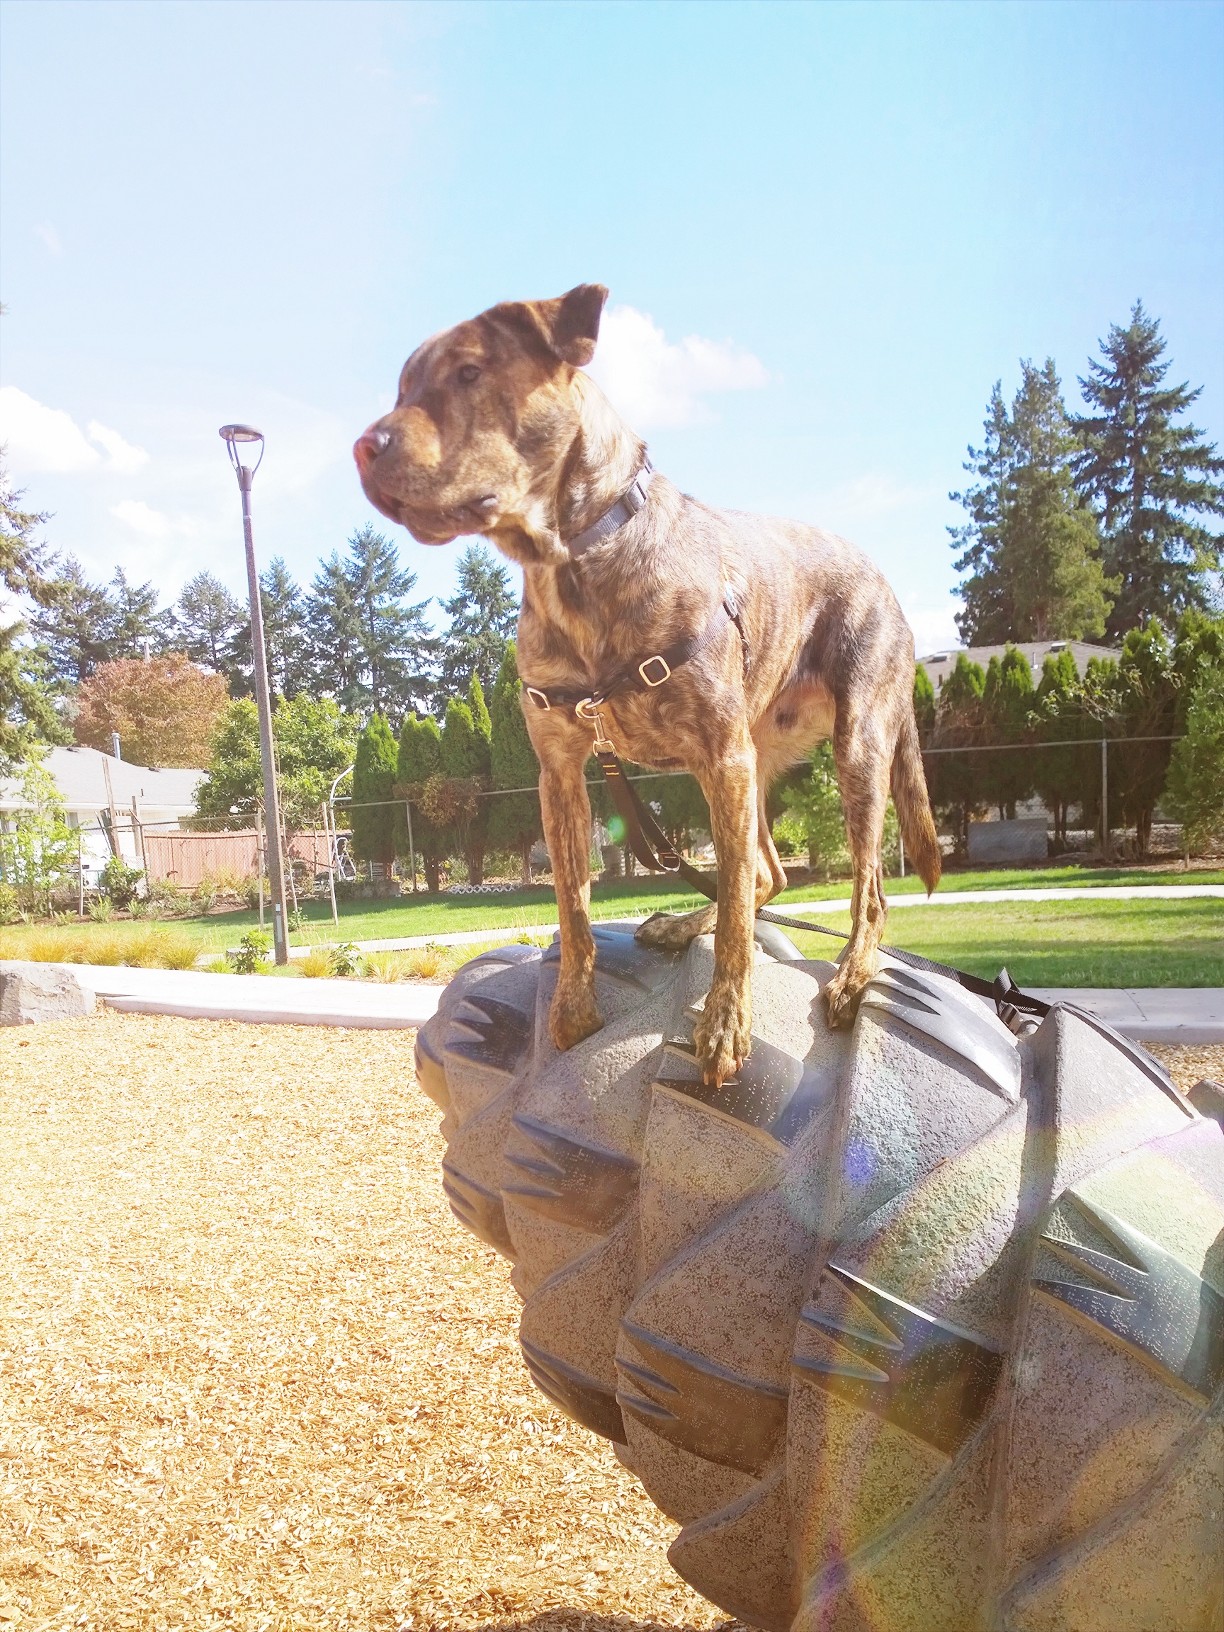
(537, 697)
(666, 667)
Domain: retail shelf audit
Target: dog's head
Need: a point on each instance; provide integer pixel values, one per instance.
(485, 414)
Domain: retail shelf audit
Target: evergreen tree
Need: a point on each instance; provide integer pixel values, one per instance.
(989, 614)
(135, 624)
(28, 694)
(482, 613)
(285, 633)
(24, 560)
(1007, 698)
(1152, 481)
(1195, 791)
(466, 753)
(27, 684)
(374, 773)
(418, 765)
(374, 648)
(924, 701)
(334, 634)
(1064, 775)
(207, 619)
(73, 623)
(286, 639)
(1030, 545)
(514, 818)
(954, 780)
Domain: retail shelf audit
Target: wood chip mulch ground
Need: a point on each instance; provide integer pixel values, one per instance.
(252, 1374)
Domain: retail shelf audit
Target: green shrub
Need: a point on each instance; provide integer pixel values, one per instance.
(251, 955)
(345, 959)
(9, 912)
(100, 910)
(118, 882)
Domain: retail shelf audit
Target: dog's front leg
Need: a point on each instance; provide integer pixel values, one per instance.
(567, 831)
(722, 1033)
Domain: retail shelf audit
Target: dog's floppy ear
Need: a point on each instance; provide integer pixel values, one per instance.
(571, 322)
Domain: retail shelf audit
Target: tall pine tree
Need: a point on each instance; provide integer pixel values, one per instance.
(27, 685)
(206, 620)
(369, 641)
(286, 640)
(482, 613)
(73, 623)
(1030, 545)
(1153, 482)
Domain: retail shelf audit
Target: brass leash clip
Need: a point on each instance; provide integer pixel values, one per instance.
(589, 710)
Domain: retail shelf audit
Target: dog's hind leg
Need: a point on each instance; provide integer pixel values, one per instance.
(863, 749)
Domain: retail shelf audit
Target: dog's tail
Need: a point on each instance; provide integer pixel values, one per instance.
(909, 791)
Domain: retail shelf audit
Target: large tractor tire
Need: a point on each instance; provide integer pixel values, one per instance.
(916, 1326)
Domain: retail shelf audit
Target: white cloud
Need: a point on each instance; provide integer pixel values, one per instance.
(142, 518)
(122, 456)
(656, 382)
(38, 438)
(47, 233)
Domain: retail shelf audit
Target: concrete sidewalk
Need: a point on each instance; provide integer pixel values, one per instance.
(814, 909)
(261, 999)
(1189, 1015)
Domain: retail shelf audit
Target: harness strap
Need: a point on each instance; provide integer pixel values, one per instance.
(649, 673)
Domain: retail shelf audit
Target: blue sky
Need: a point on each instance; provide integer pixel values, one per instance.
(827, 231)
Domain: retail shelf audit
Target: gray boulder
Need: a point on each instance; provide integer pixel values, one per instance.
(919, 1326)
(33, 992)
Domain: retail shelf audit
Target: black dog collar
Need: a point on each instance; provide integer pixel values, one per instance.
(625, 508)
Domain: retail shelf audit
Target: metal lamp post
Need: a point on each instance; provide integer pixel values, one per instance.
(234, 436)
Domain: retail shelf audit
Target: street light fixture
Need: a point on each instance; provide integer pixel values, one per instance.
(238, 437)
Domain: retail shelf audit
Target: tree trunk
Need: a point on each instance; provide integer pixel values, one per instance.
(525, 853)
(475, 864)
(433, 880)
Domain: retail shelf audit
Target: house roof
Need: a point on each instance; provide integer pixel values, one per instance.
(81, 776)
(939, 664)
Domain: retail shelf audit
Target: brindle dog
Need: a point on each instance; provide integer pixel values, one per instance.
(496, 430)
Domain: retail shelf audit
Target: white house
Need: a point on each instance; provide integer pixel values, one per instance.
(100, 791)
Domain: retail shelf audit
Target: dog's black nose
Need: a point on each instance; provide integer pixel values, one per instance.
(369, 445)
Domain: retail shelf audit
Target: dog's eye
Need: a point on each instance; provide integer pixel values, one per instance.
(469, 372)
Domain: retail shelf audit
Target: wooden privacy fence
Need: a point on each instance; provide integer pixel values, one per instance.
(186, 859)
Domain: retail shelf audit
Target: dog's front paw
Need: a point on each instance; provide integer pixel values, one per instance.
(842, 995)
(574, 1015)
(669, 932)
(722, 1035)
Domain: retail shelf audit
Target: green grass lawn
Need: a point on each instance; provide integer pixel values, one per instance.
(1061, 943)
(1159, 943)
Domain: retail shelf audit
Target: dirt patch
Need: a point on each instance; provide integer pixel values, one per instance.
(252, 1373)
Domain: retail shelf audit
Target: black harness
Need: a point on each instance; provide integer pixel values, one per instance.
(643, 834)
